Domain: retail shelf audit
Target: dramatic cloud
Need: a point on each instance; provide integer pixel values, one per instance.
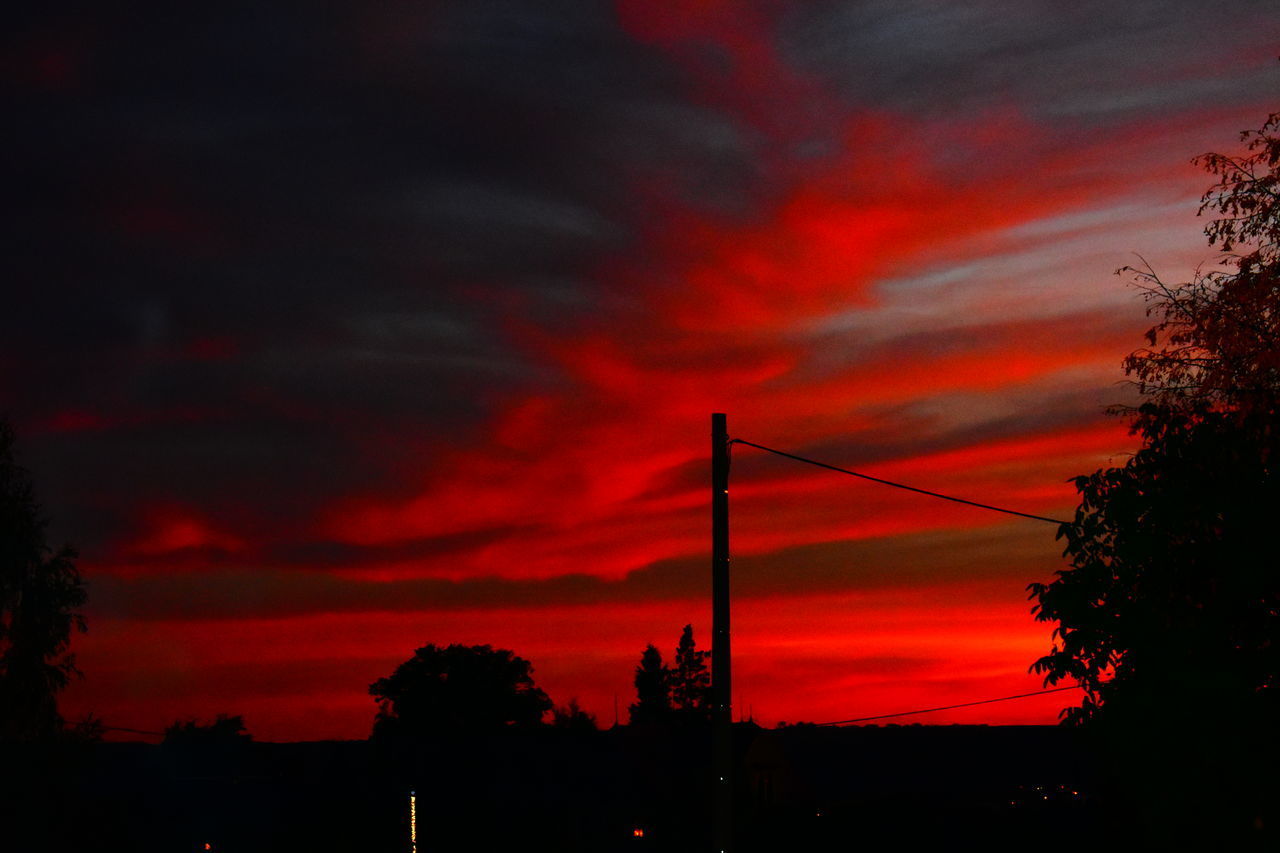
(336, 332)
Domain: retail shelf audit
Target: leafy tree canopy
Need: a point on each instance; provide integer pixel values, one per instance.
(653, 689)
(678, 693)
(690, 680)
(1171, 604)
(40, 598)
(573, 718)
(226, 730)
(458, 688)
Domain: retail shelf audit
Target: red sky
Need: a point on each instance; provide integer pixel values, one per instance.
(344, 335)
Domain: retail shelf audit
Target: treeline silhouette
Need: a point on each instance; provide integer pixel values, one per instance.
(459, 688)
(492, 763)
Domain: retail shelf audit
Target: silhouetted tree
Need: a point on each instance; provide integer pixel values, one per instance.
(653, 689)
(1169, 614)
(1172, 589)
(690, 680)
(572, 718)
(458, 688)
(40, 596)
(87, 730)
(226, 730)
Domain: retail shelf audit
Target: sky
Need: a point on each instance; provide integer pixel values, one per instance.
(333, 331)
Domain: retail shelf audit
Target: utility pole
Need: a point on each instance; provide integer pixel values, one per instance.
(721, 687)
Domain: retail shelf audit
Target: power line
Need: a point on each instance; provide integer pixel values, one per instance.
(949, 707)
(899, 485)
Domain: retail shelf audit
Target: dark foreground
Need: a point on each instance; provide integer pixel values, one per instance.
(900, 788)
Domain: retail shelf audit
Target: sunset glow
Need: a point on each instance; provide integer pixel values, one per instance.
(405, 326)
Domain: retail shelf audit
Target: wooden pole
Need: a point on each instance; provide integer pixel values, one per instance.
(721, 686)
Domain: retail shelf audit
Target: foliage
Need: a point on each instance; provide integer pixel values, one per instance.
(1247, 194)
(572, 718)
(690, 679)
(1172, 592)
(1217, 343)
(226, 730)
(679, 693)
(653, 689)
(458, 688)
(40, 596)
(88, 729)
(1171, 606)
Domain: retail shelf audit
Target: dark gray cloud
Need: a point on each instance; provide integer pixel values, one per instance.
(1094, 61)
(1006, 555)
(276, 250)
(267, 255)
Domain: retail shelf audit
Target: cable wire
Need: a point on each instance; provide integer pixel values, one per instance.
(949, 707)
(900, 485)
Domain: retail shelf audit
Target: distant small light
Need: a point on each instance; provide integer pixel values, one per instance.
(208, 846)
(413, 822)
(819, 814)
(637, 833)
